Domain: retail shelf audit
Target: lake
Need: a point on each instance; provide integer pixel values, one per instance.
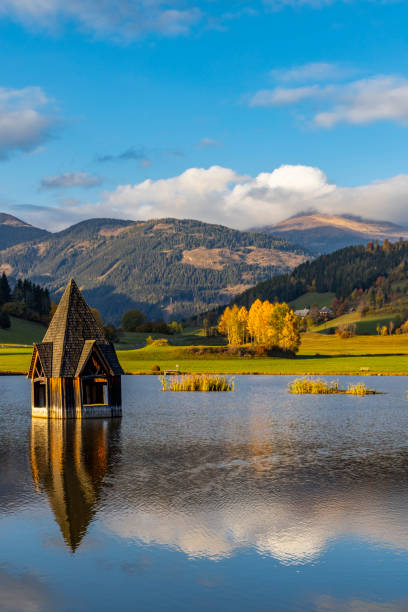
(254, 500)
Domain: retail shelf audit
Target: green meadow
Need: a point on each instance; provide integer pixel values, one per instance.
(366, 325)
(319, 354)
(307, 300)
(22, 332)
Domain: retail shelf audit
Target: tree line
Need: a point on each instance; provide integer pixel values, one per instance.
(26, 300)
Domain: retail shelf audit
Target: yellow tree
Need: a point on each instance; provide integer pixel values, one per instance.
(243, 322)
(289, 339)
(277, 322)
(230, 325)
(224, 322)
(271, 325)
(264, 323)
(235, 326)
(254, 317)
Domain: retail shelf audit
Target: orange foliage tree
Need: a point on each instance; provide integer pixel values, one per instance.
(266, 324)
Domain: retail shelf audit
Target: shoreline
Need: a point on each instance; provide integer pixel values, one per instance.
(352, 373)
(276, 373)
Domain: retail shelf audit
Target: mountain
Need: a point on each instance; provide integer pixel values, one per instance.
(14, 231)
(326, 233)
(165, 267)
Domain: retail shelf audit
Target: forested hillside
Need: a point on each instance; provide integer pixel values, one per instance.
(378, 270)
(166, 268)
(14, 231)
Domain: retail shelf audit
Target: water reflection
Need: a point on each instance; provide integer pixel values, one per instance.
(210, 486)
(70, 460)
(256, 500)
(25, 592)
(215, 501)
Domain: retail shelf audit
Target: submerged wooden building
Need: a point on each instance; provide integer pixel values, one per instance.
(74, 371)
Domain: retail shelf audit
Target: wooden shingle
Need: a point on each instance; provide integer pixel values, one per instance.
(73, 325)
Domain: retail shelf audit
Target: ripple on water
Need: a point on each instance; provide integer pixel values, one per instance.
(254, 474)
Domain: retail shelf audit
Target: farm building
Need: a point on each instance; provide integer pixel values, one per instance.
(74, 371)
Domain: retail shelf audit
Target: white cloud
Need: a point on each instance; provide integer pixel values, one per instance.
(24, 592)
(121, 19)
(380, 98)
(281, 96)
(23, 126)
(368, 100)
(70, 179)
(293, 534)
(313, 71)
(194, 193)
(221, 195)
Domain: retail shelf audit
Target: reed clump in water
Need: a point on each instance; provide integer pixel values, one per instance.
(318, 386)
(313, 386)
(360, 389)
(197, 382)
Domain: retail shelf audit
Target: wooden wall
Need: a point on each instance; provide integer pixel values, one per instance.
(64, 400)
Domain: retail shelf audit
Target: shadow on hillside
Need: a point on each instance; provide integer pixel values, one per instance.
(112, 305)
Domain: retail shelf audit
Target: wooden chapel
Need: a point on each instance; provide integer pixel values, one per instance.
(74, 371)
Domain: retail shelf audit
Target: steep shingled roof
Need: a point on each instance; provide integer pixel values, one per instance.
(73, 325)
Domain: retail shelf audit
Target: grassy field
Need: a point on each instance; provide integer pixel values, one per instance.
(366, 325)
(15, 359)
(22, 332)
(319, 354)
(307, 300)
(189, 337)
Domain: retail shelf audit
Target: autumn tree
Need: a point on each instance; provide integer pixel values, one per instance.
(277, 322)
(268, 325)
(233, 325)
(243, 324)
(255, 321)
(224, 322)
(290, 335)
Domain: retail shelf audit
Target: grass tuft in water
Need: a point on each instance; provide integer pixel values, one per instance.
(197, 382)
(360, 389)
(313, 386)
(318, 386)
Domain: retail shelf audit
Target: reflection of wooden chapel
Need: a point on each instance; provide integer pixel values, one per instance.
(70, 460)
(74, 371)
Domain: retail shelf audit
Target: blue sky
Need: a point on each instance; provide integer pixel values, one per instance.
(235, 112)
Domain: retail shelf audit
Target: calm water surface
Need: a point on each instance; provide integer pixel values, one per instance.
(252, 500)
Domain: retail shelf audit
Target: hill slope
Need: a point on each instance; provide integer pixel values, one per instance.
(14, 231)
(355, 267)
(164, 267)
(22, 332)
(326, 233)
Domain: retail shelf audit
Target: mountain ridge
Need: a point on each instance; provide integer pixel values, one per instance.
(15, 231)
(324, 233)
(166, 267)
